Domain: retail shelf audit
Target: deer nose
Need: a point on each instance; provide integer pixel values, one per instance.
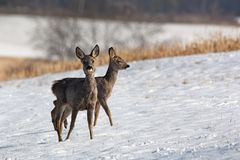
(127, 66)
(89, 68)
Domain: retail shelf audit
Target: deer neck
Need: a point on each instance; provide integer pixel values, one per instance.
(111, 75)
(90, 81)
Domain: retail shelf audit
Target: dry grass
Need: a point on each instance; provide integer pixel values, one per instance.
(29, 68)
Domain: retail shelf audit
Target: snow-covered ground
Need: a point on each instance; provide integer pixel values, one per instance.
(17, 30)
(173, 108)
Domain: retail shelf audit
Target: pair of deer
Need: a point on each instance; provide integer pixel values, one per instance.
(78, 94)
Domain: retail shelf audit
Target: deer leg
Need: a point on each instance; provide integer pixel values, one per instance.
(97, 108)
(73, 119)
(53, 115)
(90, 121)
(58, 123)
(66, 113)
(107, 110)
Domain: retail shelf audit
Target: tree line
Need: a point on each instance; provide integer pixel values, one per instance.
(133, 9)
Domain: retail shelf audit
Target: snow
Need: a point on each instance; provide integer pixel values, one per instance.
(17, 32)
(172, 108)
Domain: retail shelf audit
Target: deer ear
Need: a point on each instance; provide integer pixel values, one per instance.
(111, 52)
(79, 53)
(95, 51)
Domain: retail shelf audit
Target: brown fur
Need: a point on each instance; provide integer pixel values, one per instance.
(104, 84)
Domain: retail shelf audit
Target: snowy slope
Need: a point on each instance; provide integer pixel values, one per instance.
(173, 108)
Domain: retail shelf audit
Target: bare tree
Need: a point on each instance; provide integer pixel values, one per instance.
(59, 36)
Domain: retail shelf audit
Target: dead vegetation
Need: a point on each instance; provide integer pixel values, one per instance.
(16, 69)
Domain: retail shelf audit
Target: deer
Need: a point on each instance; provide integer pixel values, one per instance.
(105, 86)
(77, 96)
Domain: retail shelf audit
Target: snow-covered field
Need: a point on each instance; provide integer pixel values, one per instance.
(173, 108)
(17, 30)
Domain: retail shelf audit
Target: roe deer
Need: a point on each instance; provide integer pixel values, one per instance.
(104, 84)
(77, 96)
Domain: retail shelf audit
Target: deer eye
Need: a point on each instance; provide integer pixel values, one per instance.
(92, 61)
